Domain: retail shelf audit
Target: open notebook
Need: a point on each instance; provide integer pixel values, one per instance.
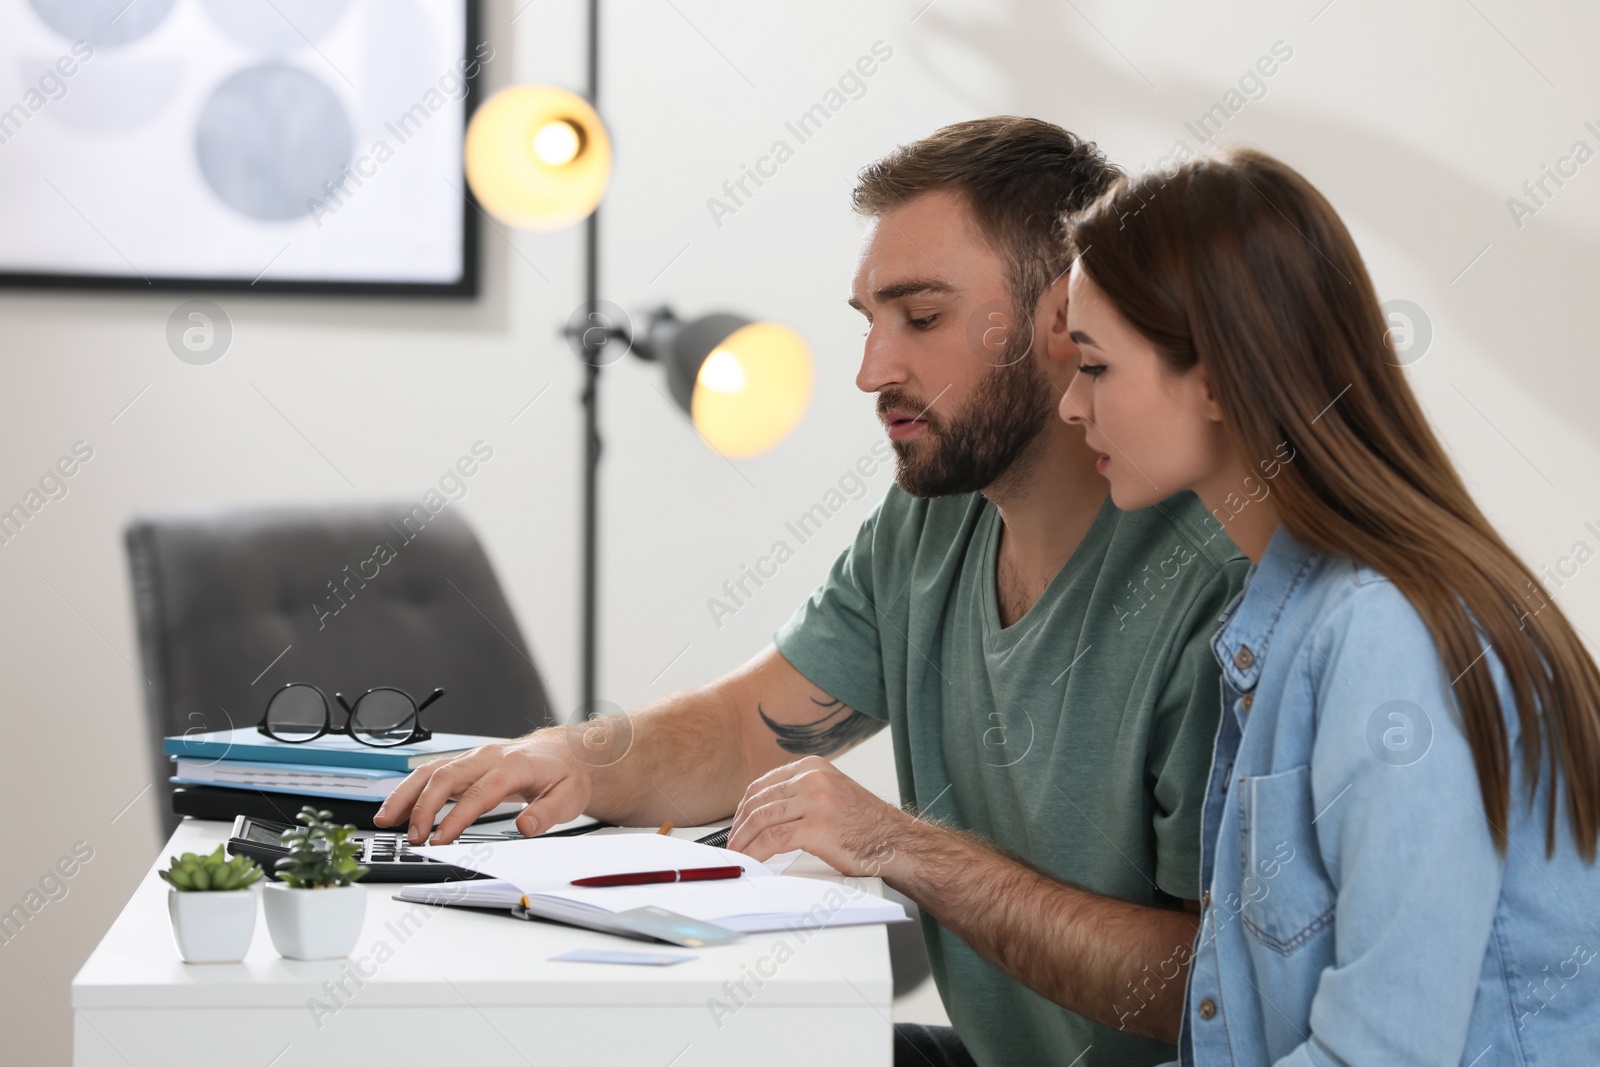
(543, 870)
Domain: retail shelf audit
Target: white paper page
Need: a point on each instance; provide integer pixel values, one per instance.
(536, 865)
(776, 864)
(782, 861)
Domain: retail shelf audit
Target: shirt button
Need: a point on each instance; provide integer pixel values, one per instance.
(1244, 658)
(1205, 900)
(1248, 699)
(1208, 1008)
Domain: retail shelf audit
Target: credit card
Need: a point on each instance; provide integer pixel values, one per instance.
(668, 926)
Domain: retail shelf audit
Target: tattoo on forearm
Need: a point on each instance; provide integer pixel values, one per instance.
(837, 730)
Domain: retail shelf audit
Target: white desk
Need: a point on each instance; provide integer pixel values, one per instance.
(468, 988)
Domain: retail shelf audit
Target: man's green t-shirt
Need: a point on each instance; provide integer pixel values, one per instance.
(1079, 737)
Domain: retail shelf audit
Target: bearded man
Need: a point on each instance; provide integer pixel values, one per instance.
(1041, 658)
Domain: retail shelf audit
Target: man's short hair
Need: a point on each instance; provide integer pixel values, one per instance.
(1020, 177)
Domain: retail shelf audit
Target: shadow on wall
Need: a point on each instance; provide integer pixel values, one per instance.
(1444, 219)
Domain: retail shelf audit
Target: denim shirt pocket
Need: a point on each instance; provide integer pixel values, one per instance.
(1286, 896)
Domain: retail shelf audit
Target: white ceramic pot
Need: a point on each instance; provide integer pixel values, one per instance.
(314, 924)
(213, 927)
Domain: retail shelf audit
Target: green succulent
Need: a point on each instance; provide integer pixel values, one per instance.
(321, 854)
(193, 873)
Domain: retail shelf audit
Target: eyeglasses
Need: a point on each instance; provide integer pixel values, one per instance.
(381, 717)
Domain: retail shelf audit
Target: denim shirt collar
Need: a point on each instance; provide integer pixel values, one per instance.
(1249, 620)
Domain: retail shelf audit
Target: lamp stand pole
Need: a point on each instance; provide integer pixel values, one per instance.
(591, 405)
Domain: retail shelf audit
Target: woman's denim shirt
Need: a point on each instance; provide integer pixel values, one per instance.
(1356, 910)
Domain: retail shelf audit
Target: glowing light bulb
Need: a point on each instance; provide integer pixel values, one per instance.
(557, 143)
(722, 372)
(752, 389)
(537, 157)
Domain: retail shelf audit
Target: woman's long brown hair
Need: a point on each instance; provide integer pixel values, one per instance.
(1236, 262)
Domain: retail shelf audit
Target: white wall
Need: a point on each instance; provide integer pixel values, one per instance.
(1418, 120)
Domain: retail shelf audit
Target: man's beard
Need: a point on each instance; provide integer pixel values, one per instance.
(984, 442)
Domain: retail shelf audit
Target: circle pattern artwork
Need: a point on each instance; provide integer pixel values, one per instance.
(103, 23)
(275, 26)
(268, 139)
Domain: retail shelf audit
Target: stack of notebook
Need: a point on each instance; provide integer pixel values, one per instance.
(224, 773)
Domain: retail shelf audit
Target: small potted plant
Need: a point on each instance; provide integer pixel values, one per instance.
(213, 912)
(314, 911)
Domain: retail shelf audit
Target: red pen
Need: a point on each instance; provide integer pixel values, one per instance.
(692, 874)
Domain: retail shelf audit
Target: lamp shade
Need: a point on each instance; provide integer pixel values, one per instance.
(744, 384)
(537, 157)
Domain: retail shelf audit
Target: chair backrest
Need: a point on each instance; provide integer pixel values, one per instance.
(233, 603)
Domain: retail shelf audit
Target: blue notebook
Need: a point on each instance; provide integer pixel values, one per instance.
(331, 750)
(310, 779)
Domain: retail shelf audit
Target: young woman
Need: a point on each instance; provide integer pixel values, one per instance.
(1401, 824)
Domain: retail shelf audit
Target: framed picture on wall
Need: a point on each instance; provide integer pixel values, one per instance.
(277, 145)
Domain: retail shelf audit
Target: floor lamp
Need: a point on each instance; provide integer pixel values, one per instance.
(538, 157)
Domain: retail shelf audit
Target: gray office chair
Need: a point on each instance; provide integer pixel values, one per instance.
(233, 603)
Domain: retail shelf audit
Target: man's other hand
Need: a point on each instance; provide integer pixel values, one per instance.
(810, 804)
